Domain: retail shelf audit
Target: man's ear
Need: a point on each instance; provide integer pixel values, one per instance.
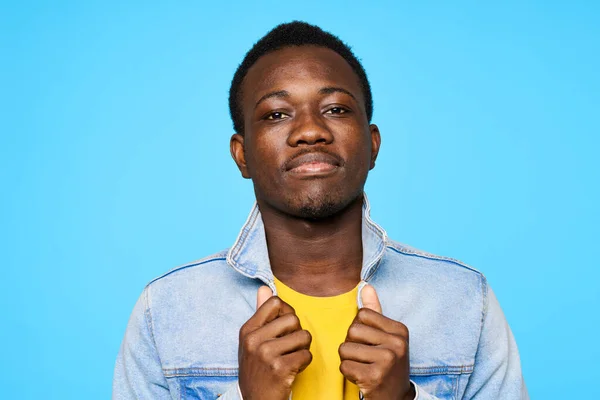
(236, 146)
(375, 143)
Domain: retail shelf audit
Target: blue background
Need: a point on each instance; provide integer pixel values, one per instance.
(115, 166)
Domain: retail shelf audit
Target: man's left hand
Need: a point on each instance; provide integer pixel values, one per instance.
(375, 354)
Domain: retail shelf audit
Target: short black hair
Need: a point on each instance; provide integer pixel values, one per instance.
(295, 33)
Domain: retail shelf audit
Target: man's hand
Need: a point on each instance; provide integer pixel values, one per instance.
(273, 349)
(375, 354)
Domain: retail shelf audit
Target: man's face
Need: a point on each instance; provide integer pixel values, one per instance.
(307, 143)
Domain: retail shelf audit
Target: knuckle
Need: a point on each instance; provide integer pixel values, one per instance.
(246, 329)
(363, 313)
(344, 368)
(243, 332)
(353, 330)
(263, 351)
(403, 347)
(403, 329)
(295, 321)
(292, 321)
(399, 343)
(250, 342)
(287, 308)
(306, 356)
(276, 301)
(306, 337)
(277, 366)
(388, 356)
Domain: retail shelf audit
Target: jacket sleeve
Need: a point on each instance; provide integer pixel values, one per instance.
(497, 370)
(138, 371)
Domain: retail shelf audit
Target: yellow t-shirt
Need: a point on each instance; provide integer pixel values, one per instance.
(327, 319)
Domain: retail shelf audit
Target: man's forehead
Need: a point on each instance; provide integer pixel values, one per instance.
(291, 64)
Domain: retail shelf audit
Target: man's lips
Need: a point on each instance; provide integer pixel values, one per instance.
(312, 163)
(313, 167)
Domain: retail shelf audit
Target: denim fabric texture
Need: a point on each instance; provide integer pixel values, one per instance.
(182, 338)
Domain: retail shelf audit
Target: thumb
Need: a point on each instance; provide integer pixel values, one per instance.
(263, 294)
(369, 298)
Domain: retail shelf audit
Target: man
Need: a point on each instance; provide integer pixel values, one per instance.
(313, 300)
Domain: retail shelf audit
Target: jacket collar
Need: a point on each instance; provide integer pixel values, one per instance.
(249, 255)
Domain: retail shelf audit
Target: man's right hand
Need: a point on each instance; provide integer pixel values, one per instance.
(273, 349)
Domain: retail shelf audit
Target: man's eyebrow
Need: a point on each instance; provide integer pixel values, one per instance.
(279, 93)
(331, 89)
(285, 93)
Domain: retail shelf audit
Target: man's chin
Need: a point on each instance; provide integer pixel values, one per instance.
(322, 207)
(319, 211)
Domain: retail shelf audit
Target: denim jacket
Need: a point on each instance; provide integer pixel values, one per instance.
(182, 338)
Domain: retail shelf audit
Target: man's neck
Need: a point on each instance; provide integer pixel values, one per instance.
(317, 258)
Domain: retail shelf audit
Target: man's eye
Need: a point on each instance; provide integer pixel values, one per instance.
(337, 110)
(276, 115)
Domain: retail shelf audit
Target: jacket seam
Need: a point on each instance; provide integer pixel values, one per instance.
(484, 304)
(456, 384)
(225, 371)
(442, 370)
(150, 322)
(207, 372)
(189, 265)
(484, 308)
(429, 256)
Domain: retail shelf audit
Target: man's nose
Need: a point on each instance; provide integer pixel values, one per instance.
(309, 129)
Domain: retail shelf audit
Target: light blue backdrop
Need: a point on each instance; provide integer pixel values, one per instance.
(115, 165)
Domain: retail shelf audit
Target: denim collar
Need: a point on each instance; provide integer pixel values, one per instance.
(249, 255)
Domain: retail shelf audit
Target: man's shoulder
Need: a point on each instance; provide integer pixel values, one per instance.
(205, 267)
(432, 268)
(187, 287)
(430, 258)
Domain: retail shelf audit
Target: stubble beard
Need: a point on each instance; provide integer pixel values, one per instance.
(319, 206)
